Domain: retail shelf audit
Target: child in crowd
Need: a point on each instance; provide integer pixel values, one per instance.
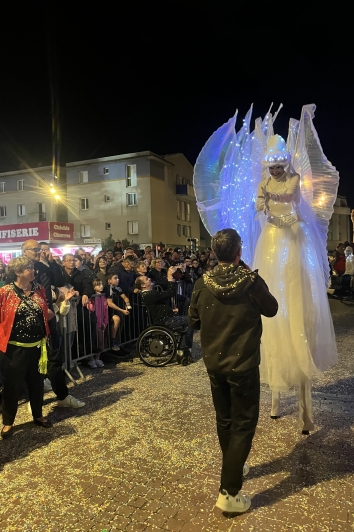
(114, 294)
(98, 305)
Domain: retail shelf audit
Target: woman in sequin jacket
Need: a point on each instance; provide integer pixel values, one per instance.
(23, 333)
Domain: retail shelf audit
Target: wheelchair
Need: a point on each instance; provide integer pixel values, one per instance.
(158, 345)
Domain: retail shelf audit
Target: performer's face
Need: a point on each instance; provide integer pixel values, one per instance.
(276, 171)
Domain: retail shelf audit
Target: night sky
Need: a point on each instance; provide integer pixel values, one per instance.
(165, 76)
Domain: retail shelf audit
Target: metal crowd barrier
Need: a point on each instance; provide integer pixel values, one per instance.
(81, 339)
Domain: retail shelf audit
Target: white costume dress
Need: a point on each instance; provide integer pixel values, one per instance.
(286, 242)
(299, 341)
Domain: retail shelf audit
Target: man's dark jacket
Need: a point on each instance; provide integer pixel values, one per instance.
(156, 303)
(81, 281)
(227, 304)
(126, 278)
(48, 277)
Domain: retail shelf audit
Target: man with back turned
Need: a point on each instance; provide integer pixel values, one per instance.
(227, 304)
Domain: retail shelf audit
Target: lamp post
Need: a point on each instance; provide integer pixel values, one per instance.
(56, 198)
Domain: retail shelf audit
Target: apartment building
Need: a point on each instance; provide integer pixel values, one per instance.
(31, 195)
(144, 197)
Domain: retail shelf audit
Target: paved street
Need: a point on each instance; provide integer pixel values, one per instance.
(143, 456)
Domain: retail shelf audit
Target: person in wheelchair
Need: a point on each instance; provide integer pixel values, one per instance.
(161, 313)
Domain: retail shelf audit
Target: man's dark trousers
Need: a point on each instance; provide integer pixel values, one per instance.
(236, 402)
(55, 364)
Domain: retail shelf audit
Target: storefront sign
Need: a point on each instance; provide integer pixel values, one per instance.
(92, 241)
(61, 232)
(22, 232)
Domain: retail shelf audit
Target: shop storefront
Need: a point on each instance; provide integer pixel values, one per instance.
(59, 235)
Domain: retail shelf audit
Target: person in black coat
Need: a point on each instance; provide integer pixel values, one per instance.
(162, 313)
(226, 306)
(158, 273)
(126, 274)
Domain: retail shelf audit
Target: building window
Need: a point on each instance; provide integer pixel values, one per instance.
(2, 187)
(183, 205)
(189, 231)
(85, 230)
(130, 172)
(84, 204)
(188, 212)
(133, 228)
(105, 171)
(184, 230)
(2, 212)
(179, 229)
(108, 225)
(20, 184)
(132, 199)
(107, 198)
(178, 210)
(41, 212)
(83, 176)
(21, 210)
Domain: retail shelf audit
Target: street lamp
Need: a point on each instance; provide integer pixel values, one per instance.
(56, 197)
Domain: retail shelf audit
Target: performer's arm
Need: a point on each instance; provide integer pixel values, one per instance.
(260, 203)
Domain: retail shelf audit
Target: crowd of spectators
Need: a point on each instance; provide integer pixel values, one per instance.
(86, 304)
(96, 292)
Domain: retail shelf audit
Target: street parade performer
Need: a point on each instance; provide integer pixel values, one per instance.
(293, 187)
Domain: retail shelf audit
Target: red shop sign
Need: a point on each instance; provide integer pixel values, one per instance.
(61, 232)
(22, 232)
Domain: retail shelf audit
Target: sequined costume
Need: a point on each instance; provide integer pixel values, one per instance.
(19, 363)
(9, 303)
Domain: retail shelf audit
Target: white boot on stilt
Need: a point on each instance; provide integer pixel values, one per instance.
(274, 412)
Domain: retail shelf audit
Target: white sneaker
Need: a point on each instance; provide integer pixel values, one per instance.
(71, 402)
(228, 503)
(246, 469)
(92, 364)
(99, 363)
(47, 387)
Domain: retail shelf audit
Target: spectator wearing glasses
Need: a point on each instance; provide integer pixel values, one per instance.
(158, 274)
(31, 250)
(23, 336)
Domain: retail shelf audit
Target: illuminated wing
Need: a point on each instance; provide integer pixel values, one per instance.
(207, 172)
(318, 182)
(239, 205)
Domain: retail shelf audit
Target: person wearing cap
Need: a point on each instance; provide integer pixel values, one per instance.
(299, 343)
